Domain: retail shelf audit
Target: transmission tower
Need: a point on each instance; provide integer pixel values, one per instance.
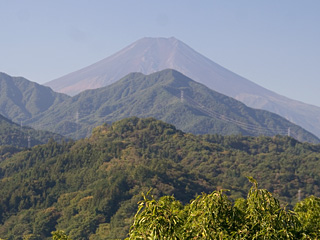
(77, 123)
(29, 141)
(181, 96)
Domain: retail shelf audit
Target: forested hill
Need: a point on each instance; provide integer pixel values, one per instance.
(17, 136)
(21, 99)
(90, 188)
(168, 96)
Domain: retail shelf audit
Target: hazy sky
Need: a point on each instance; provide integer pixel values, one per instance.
(274, 43)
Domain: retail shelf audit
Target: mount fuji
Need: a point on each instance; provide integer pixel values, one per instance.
(149, 55)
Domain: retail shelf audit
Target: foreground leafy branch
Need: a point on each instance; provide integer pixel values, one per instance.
(60, 235)
(214, 216)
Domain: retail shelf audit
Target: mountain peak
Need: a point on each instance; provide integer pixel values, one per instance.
(146, 55)
(159, 39)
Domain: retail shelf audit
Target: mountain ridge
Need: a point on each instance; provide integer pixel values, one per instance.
(135, 96)
(200, 111)
(21, 99)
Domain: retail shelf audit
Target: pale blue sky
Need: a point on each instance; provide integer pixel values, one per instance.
(274, 43)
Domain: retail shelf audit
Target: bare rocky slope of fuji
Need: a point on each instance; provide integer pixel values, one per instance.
(149, 55)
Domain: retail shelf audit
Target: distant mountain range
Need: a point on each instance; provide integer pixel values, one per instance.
(166, 95)
(150, 55)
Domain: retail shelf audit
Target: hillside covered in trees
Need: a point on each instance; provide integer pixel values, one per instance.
(90, 188)
(22, 136)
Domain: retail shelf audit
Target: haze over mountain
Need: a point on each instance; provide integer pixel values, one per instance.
(149, 55)
(170, 96)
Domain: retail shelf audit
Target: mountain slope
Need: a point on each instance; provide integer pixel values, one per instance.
(21, 99)
(17, 136)
(169, 96)
(150, 55)
(90, 188)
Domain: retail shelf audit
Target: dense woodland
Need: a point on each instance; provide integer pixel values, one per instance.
(11, 134)
(90, 188)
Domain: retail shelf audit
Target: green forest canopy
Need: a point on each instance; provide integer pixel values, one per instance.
(90, 188)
